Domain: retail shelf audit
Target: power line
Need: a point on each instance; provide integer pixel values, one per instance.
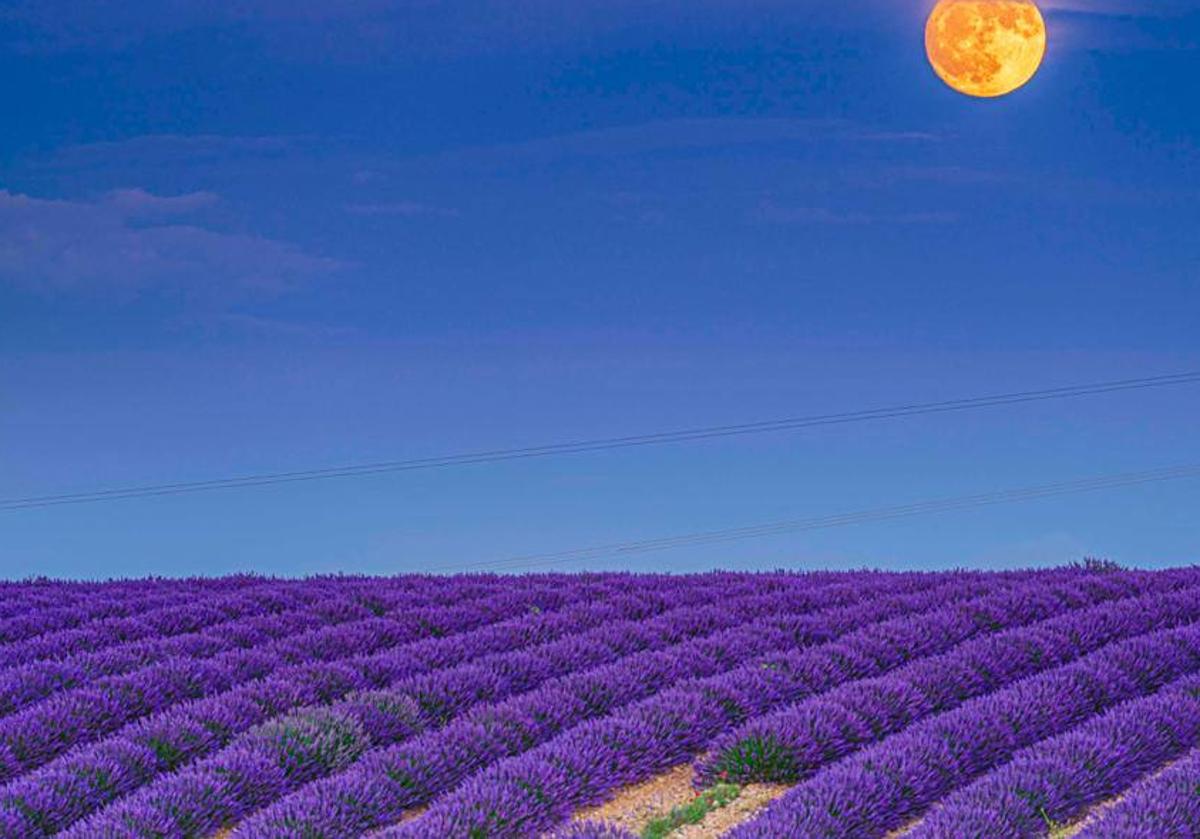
(943, 505)
(603, 444)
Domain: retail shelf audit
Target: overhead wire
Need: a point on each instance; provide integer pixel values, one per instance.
(878, 514)
(602, 444)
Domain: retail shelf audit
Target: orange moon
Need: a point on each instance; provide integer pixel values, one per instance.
(986, 48)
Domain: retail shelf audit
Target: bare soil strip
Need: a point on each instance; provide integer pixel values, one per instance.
(636, 806)
(901, 831)
(633, 807)
(408, 816)
(1071, 830)
(753, 800)
(1068, 831)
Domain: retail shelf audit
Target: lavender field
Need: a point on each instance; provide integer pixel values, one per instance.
(1057, 703)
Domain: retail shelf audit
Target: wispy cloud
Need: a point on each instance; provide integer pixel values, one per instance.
(773, 213)
(1122, 8)
(947, 175)
(1121, 25)
(166, 151)
(777, 214)
(354, 30)
(364, 177)
(347, 28)
(116, 24)
(273, 327)
(132, 241)
(404, 209)
(139, 202)
(895, 136)
(692, 135)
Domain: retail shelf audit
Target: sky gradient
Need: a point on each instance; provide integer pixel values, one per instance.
(264, 236)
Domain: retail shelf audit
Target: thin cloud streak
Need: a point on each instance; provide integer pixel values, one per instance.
(778, 214)
(133, 241)
(403, 209)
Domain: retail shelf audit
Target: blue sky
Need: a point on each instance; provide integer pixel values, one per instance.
(262, 236)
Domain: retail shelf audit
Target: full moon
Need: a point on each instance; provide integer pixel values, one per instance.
(986, 48)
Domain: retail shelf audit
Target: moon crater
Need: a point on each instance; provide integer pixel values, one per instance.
(986, 48)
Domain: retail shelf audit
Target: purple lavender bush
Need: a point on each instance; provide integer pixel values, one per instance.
(951, 705)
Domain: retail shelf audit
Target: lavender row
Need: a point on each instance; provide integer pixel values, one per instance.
(33, 736)
(1056, 780)
(375, 594)
(74, 785)
(18, 601)
(378, 790)
(884, 787)
(28, 601)
(25, 597)
(194, 615)
(31, 624)
(250, 621)
(23, 686)
(1164, 804)
(506, 799)
(426, 702)
(509, 638)
(443, 694)
(188, 615)
(68, 788)
(538, 790)
(200, 800)
(209, 629)
(115, 601)
(790, 745)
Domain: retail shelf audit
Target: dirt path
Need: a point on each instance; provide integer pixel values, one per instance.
(902, 831)
(1068, 831)
(634, 807)
(1072, 830)
(753, 800)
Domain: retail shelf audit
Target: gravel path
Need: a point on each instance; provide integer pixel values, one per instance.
(634, 807)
